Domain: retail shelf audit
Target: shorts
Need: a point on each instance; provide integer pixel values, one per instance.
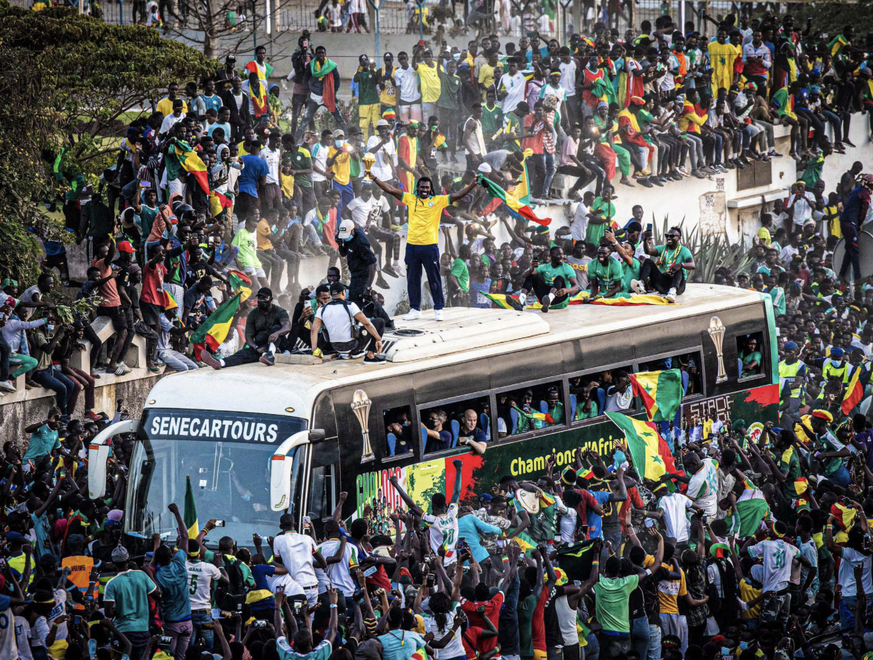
(251, 270)
(116, 315)
(244, 205)
(151, 313)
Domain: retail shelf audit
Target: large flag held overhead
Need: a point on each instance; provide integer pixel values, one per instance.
(191, 163)
(514, 204)
(189, 515)
(650, 454)
(854, 392)
(660, 391)
(750, 510)
(212, 332)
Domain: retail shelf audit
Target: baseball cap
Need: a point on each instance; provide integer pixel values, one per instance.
(346, 229)
(337, 288)
(125, 246)
(264, 292)
(339, 133)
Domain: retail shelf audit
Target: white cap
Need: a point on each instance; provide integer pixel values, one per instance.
(346, 229)
(485, 168)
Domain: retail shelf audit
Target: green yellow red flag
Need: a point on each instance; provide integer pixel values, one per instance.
(660, 391)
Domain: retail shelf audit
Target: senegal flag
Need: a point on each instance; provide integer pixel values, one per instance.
(189, 516)
(539, 416)
(649, 452)
(214, 330)
(218, 202)
(191, 163)
(854, 392)
(844, 515)
(499, 299)
(240, 283)
(512, 203)
(750, 510)
(660, 391)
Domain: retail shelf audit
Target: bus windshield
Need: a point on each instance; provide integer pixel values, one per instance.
(230, 481)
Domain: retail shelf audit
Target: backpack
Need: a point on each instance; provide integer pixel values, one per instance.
(231, 596)
(345, 347)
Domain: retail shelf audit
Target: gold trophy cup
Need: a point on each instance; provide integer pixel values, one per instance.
(368, 160)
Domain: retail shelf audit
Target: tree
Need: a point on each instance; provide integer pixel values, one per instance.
(210, 23)
(69, 81)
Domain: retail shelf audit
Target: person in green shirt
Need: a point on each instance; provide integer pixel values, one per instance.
(751, 358)
(492, 120)
(459, 278)
(449, 105)
(369, 105)
(600, 216)
(553, 284)
(604, 275)
(667, 271)
(510, 134)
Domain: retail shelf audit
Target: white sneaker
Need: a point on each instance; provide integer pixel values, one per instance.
(412, 315)
(7, 386)
(638, 287)
(671, 295)
(438, 315)
(122, 369)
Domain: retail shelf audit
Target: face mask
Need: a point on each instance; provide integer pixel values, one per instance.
(264, 305)
(456, 56)
(50, 327)
(275, 230)
(338, 144)
(725, 650)
(744, 646)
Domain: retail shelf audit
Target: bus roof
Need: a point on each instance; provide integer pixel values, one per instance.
(465, 334)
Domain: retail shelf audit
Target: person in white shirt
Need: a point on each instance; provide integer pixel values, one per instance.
(676, 522)
(172, 119)
(271, 196)
(800, 204)
(342, 559)
(299, 555)
(382, 147)
(511, 87)
(409, 101)
(778, 555)
(201, 576)
(703, 485)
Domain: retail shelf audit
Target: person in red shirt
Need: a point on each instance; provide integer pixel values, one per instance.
(153, 298)
(111, 303)
(534, 127)
(484, 612)
(475, 639)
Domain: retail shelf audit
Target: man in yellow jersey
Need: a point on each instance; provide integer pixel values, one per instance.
(339, 164)
(422, 249)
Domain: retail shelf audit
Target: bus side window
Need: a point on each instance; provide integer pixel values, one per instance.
(750, 355)
(530, 409)
(400, 432)
(687, 363)
(614, 392)
(456, 424)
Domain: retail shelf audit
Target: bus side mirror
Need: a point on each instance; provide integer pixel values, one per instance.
(282, 466)
(98, 455)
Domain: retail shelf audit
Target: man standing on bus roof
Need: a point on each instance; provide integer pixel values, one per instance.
(354, 246)
(265, 324)
(553, 284)
(422, 238)
(443, 519)
(668, 273)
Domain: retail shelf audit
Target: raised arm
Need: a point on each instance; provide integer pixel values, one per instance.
(410, 503)
(388, 189)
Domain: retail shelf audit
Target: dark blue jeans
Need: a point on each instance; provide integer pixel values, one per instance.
(427, 257)
(63, 387)
(4, 359)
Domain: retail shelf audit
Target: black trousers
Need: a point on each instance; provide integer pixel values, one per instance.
(536, 284)
(661, 282)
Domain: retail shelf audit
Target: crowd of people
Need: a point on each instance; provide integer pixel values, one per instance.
(757, 545)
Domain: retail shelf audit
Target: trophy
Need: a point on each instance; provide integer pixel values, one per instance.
(361, 407)
(368, 160)
(716, 332)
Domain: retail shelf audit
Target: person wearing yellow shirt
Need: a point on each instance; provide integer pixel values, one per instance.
(721, 56)
(165, 105)
(486, 73)
(429, 79)
(339, 165)
(422, 238)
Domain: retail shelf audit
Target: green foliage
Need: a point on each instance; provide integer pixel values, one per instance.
(832, 17)
(69, 80)
(710, 252)
(83, 306)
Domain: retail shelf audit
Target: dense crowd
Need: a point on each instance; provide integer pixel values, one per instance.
(757, 545)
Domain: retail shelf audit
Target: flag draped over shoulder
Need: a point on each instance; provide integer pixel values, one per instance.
(854, 392)
(751, 509)
(650, 454)
(191, 163)
(513, 203)
(189, 515)
(213, 331)
(660, 391)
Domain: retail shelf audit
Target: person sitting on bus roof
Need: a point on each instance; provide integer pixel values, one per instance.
(553, 284)
(349, 341)
(471, 435)
(667, 271)
(265, 324)
(438, 438)
(304, 313)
